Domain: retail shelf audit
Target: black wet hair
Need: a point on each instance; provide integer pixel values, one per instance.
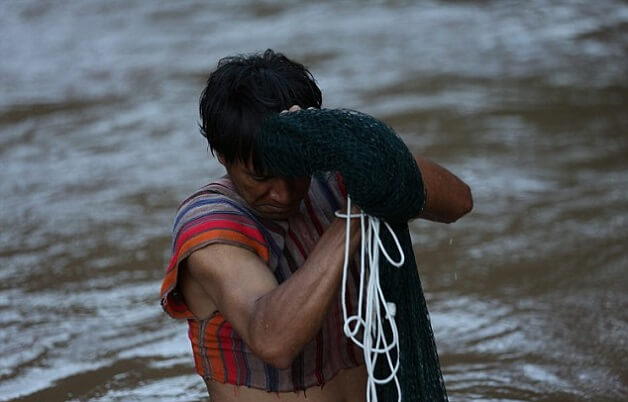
(242, 92)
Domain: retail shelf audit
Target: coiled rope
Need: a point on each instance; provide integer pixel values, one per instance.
(369, 320)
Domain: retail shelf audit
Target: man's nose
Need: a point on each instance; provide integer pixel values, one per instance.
(281, 191)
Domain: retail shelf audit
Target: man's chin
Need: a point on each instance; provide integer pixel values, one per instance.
(277, 214)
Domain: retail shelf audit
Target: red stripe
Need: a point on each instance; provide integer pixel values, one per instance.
(298, 244)
(203, 219)
(210, 224)
(173, 263)
(341, 185)
(313, 217)
(228, 350)
(333, 341)
(218, 216)
(350, 347)
(216, 220)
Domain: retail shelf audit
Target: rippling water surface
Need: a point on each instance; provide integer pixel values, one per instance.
(526, 101)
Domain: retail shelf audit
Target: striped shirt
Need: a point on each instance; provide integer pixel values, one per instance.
(217, 214)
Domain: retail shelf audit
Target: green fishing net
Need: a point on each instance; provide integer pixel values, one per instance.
(381, 176)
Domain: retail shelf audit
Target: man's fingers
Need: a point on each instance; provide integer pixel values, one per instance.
(293, 108)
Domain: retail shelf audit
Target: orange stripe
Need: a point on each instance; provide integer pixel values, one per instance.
(212, 349)
(193, 335)
(230, 235)
(168, 282)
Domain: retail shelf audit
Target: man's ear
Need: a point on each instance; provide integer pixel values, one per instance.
(221, 160)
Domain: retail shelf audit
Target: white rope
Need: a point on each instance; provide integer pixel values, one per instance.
(373, 309)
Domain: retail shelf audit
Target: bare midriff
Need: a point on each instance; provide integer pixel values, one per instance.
(347, 386)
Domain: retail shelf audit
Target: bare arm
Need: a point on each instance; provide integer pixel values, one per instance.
(447, 197)
(276, 321)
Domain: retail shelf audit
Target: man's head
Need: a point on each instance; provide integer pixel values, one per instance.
(241, 92)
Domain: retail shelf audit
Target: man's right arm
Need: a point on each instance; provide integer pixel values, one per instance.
(275, 320)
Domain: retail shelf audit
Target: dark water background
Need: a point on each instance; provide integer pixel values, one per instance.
(526, 100)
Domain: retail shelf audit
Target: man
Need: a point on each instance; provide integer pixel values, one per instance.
(257, 259)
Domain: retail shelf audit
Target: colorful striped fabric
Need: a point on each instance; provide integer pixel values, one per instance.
(217, 214)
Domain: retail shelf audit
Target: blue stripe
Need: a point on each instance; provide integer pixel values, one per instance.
(202, 349)
(327, 193)
(247, 379)
(272, 378)
(222, 353)
(298, 380)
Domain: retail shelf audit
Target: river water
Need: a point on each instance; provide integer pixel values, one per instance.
(526, 101)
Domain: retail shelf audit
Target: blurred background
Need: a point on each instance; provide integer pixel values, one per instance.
(99, 142)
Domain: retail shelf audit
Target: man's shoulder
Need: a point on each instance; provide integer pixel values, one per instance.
(210, 190)
(218, 193)
(216, 199)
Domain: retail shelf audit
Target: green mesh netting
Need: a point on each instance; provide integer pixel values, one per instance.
(381, 176)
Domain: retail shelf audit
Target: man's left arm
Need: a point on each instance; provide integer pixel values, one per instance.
(447, 198)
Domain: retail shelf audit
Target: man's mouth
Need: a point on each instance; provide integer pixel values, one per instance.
(280, 207)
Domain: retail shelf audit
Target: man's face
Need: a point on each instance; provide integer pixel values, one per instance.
(272, 197)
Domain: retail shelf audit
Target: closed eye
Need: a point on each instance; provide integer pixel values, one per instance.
(260, 177)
